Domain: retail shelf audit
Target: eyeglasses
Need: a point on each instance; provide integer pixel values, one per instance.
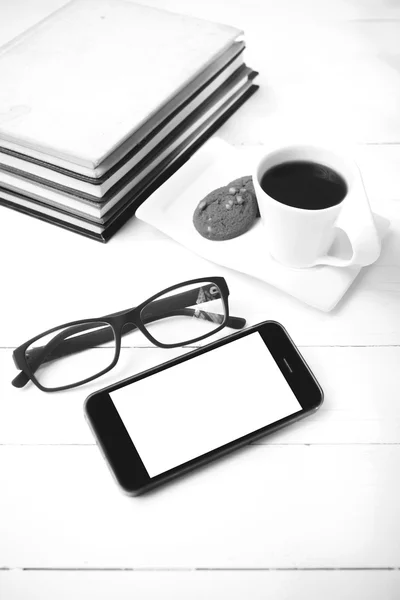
(78, 352)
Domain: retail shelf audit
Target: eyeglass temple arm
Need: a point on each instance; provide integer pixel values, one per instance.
(56, 350)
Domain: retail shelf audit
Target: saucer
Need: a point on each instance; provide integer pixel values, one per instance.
(170, 209)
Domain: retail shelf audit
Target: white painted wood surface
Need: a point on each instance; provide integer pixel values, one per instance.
(310, 512)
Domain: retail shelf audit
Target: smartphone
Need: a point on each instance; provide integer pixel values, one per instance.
(188, 411)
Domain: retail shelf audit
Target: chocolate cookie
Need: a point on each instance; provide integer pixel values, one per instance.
(227, 211)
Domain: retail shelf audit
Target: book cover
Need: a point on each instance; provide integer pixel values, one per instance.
(80, 83)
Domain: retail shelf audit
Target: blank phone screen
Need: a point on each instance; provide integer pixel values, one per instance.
(203, 403)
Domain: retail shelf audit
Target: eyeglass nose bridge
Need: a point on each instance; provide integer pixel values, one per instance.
(127, 324)
(123, 317)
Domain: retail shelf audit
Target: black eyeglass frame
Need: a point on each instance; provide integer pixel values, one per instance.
(132, 316)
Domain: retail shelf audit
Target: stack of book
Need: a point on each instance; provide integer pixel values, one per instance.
(102, 101)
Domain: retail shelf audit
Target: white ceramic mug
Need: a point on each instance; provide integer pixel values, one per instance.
(299, 237)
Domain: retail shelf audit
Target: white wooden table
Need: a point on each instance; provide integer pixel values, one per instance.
(311, 512)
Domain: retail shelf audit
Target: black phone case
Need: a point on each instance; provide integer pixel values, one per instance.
(218, 452)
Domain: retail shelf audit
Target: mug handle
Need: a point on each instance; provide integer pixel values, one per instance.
(357, 222)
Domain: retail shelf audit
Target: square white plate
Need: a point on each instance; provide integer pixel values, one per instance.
(170, 209)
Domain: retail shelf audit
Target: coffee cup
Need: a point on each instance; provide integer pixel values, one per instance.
(310, 196)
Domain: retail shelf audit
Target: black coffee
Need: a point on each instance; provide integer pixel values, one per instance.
(304, 184)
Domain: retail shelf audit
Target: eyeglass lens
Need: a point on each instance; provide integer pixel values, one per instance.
(185, 313)
(69, 355)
